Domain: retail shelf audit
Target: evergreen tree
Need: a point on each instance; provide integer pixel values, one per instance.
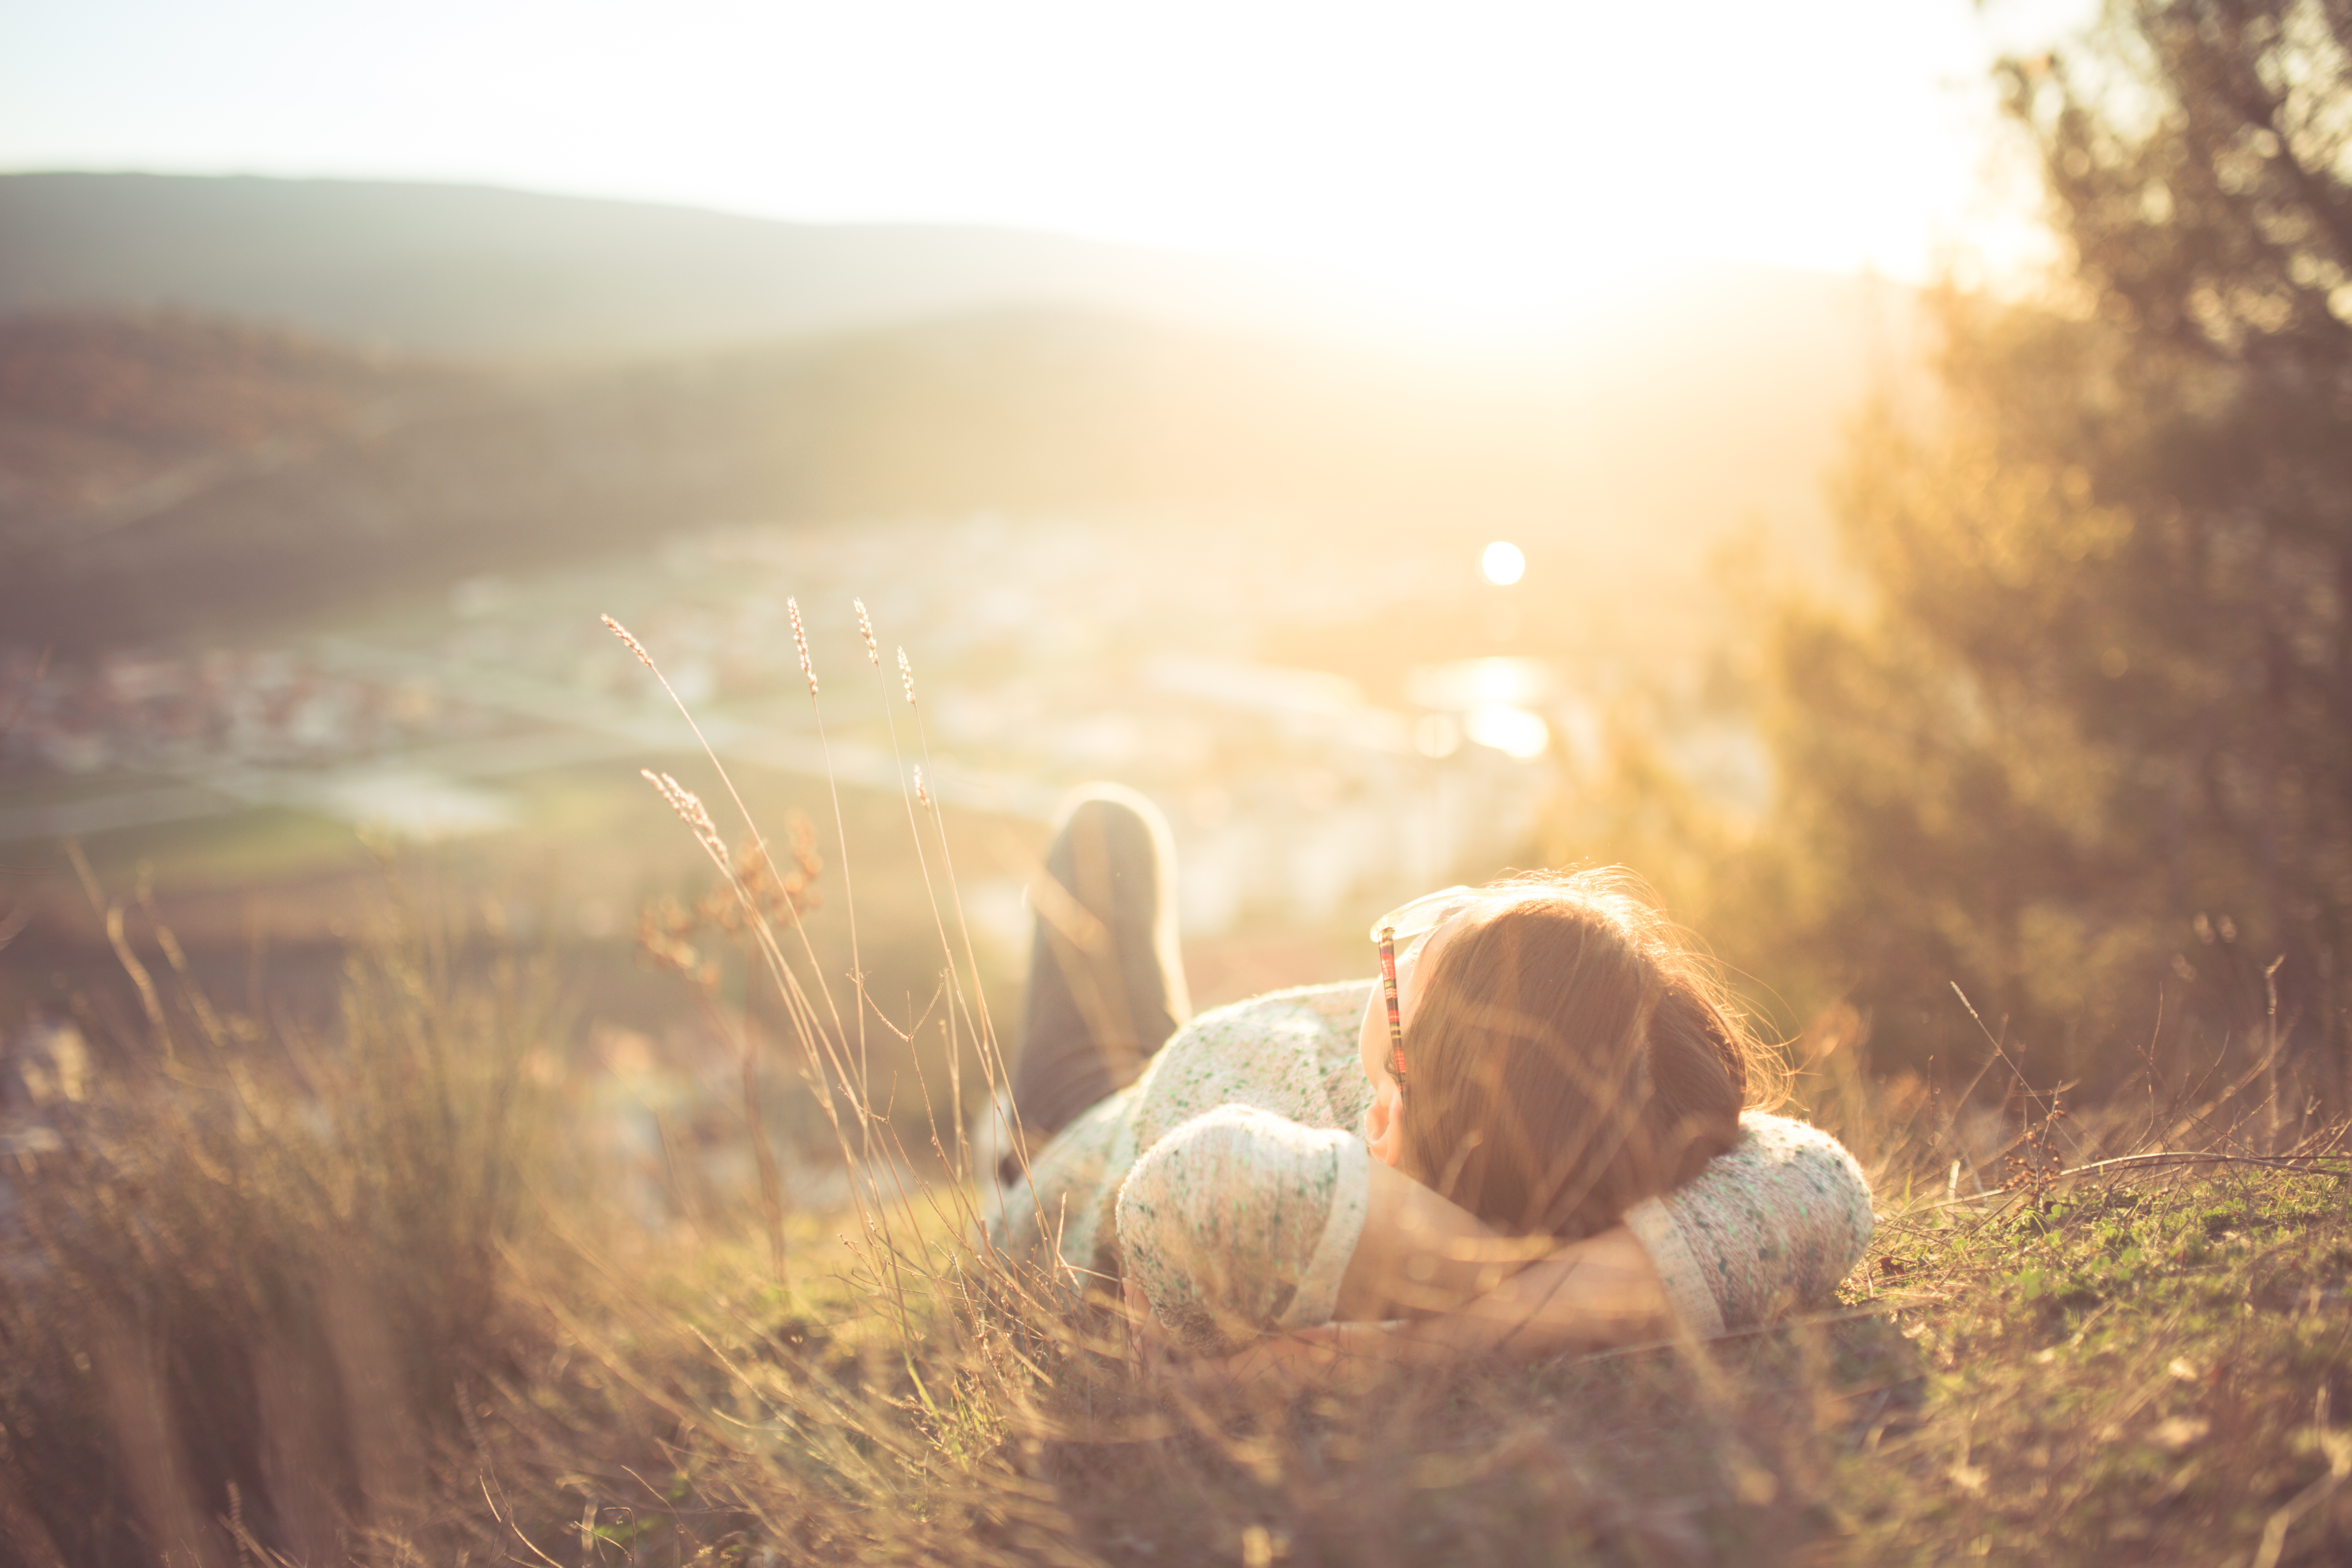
(2093, 737)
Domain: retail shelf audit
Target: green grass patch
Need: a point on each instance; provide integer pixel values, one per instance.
(2150, 1370)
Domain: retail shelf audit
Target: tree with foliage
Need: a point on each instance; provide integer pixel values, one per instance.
(2088, 751)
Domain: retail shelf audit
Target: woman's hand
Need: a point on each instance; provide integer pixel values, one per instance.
(1419, 1254)
(1593, 1294)
(1589, 1295)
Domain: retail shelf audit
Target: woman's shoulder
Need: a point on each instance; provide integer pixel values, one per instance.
(1317, 1022)
(1781, 1161)
(1779, 1218)
(1281, 1051)
(1336, 1003)
(1775, 1140)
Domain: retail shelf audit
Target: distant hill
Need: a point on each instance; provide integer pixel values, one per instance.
(427, 382)
(479, 271)
(166, 474)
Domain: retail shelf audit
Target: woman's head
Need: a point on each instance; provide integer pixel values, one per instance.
(1567, 1055)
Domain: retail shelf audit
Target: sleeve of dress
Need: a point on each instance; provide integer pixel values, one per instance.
(1239, 1220)
(1776, 1222)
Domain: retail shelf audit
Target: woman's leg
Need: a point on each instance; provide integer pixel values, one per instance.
(1106, 979)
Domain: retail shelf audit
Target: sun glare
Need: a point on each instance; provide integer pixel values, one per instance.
(1425, 163)
(1503, 563)
(1514, 731)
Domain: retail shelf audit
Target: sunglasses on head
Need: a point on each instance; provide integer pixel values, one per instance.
(1421, 916)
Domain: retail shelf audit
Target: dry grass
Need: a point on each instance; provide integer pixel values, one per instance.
(254, 1266)
(283, 1301)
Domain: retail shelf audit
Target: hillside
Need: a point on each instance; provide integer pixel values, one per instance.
(498, 274)
(160, 474)
(484, 273)
(230, 399)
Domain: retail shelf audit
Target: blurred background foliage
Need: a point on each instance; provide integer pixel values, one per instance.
(2084, 745)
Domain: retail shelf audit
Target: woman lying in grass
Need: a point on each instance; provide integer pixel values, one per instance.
(1543, 1145)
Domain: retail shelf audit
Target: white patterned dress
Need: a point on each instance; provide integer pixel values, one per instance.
(1230, 1183)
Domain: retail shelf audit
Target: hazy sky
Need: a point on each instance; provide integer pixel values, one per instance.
(1472, 155)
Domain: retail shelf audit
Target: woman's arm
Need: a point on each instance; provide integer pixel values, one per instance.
(1601, 1290)
(1419, 1254)
(1774, 1224)
(1779, 1219)
(1243, 1222)
(1589, 1295)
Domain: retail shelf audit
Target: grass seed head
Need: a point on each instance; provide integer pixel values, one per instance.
(907, 677)
(635, 646)
(865, 630)
(800, 642)
(689, 808)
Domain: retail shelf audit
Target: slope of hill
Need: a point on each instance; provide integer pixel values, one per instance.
(479, 271)
(548, 373)
(486, 273)
(106, 420)
(159, 474)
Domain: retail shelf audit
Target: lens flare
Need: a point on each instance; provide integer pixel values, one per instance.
(1503, 563)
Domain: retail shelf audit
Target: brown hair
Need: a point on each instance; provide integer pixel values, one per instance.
(1571, 1055)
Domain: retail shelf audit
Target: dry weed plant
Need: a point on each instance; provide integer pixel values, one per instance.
(301, 1301)
(258, 1272)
